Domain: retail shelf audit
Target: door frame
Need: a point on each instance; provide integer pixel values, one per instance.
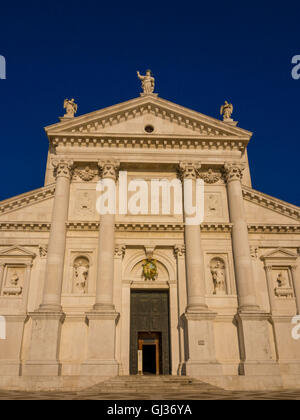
(165, 361)
(155, 338)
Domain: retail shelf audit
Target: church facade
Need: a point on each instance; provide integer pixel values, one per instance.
(86, 295)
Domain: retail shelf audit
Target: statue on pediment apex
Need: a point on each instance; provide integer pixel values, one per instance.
(147, 82)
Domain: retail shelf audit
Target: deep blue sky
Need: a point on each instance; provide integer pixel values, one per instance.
(200, 52)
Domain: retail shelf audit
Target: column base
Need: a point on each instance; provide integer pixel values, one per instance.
(249, 309)
(50, 308)
(100, 307)
(197, 308)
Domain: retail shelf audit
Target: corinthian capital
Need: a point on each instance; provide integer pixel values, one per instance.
(109, 169)
(188, 170)
(233, 171)
(63, 167)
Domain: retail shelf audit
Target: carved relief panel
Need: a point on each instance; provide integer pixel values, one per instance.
(83, 202)
(15, 272)
(279, 264)
(13, 282)
(215, 203)
(283, 286)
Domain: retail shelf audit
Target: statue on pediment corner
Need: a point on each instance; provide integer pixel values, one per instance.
(226, 110)
(70, 107)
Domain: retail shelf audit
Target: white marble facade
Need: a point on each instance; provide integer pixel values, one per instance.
(66, 274)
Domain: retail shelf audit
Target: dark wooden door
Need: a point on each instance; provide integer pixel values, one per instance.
(150, 313)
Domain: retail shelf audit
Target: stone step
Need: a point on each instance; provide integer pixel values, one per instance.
(154, 385)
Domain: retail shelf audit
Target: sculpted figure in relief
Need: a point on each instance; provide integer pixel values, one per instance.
(147, 82)
(13, 289)
(282, 281)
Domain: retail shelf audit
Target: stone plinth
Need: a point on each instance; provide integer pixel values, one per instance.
(101, 359)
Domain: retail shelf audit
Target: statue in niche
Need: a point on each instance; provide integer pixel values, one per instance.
(147, 82)
(218, 277)
(81, 272)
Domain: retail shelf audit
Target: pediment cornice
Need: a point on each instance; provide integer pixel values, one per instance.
(271, 203)
(27, 199)
(199, 124)
(16, 251)
(279, 255)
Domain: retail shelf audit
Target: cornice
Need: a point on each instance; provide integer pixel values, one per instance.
(271, 203)
(25, 227)
(152, 227)
(146, 227)
(27, 199)
(272, 228)
(144, 142)
(216, 227)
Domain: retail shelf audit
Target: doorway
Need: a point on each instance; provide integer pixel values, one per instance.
(149, 344)
(149, 332)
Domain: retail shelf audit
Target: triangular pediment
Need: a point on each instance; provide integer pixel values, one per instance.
(131, 118)
(28, 199)
(280, 253)
(17, 251)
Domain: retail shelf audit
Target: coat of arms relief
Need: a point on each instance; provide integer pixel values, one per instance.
(150, 271)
